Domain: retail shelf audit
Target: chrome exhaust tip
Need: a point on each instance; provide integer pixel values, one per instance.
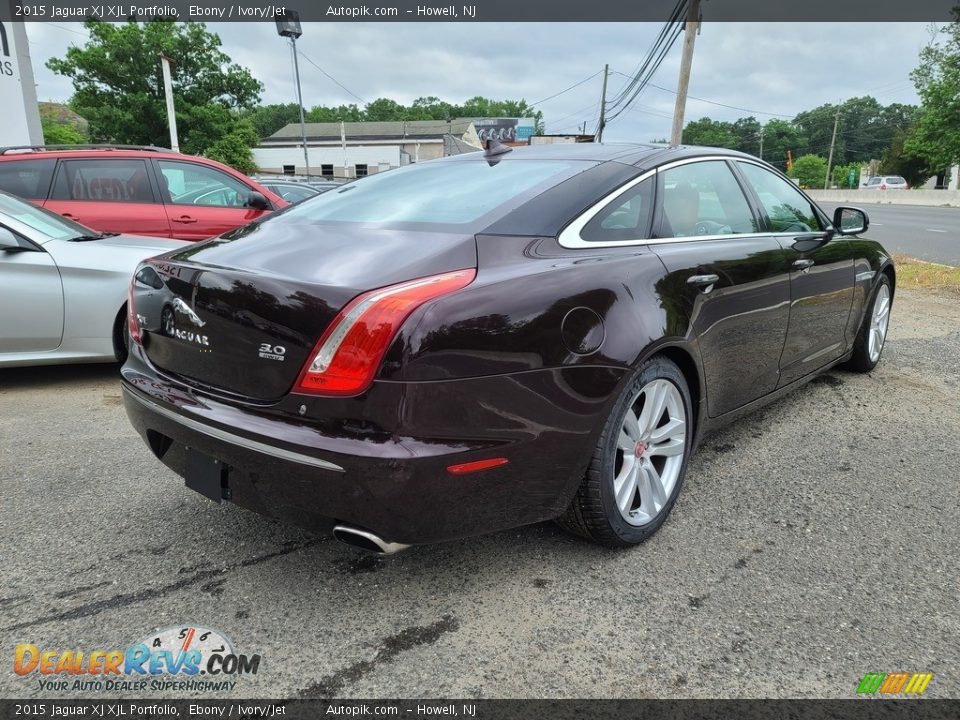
(365, 540)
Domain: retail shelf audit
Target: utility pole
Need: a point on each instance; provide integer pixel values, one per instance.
(168, 94)
(603, 104)
(761, 143)
(692, 26)
(833, 140)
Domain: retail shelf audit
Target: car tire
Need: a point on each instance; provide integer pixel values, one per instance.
(872, 335)
(605, 509)
(121, 336)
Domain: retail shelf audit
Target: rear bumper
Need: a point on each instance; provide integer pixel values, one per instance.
(315, 473)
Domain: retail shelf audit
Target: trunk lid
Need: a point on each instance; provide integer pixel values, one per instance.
(242, 313)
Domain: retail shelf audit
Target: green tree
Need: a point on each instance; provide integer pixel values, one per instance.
(840, 175)
(58, 128)
(118, 86)
(267, 119)
(747, 133)
(809, 170)
(779, 136)
(233, 149)
(897, 160)
(936, 136)
(712, 133)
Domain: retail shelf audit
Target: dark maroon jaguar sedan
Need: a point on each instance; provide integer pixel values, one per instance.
(495, 339)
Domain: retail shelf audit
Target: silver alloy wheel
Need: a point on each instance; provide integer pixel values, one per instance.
(650, 450)
(878, 323)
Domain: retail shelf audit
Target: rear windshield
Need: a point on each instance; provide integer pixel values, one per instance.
(446, 193)
(896, 180)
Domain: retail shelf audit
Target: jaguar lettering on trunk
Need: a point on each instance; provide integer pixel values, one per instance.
(192, 337)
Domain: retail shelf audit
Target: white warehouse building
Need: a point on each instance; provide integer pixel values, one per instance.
(363, 148)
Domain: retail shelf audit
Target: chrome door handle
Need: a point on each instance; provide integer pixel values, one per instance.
(185, 219)
(803, 265)
(704, 282)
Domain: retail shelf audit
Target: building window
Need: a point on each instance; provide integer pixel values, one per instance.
(289, 170)
(361, 170)
(326, 170)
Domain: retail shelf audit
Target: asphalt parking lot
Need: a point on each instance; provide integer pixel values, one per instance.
(814, 541)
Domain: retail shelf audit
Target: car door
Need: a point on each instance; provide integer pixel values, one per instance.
(821, 273)
(110, 195)
(729, 277)
(201, 201)
(31, 296)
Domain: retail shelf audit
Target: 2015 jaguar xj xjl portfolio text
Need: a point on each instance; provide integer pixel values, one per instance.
(495, 339)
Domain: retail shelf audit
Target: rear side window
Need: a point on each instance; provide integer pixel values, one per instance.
(27, 178)
(626, 218)
(786, 207)
(103, 180)
(444, 192)
(703, 198)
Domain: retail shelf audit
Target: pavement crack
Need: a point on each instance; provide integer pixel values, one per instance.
(123, 599)
(331, 685)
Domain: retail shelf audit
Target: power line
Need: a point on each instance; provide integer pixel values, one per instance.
(331, 77)
(658, 44)
(551, 97)
(713, 102)
(664, 41)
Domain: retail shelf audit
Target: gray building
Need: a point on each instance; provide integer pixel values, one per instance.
(355, 149)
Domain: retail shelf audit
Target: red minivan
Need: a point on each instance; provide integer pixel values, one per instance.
(137, 190)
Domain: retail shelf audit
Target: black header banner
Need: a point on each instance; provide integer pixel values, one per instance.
(477, 11)
(862, 709)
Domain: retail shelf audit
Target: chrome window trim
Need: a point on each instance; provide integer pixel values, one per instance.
(570, 237)
(229, 437)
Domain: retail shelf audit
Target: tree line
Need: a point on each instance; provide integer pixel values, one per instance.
(866, 131)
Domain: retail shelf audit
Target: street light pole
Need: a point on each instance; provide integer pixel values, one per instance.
(303, 127)
(288, 25)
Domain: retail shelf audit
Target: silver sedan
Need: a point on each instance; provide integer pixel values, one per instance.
(63, 287)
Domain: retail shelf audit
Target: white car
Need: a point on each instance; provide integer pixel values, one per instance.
(885, 182)
(63, 287)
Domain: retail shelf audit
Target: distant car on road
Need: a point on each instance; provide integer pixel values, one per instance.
(136, 189)
(63, 287)
(886, 182)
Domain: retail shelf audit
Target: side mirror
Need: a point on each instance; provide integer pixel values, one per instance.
(850, 221)
(8, 241)
(257, 201)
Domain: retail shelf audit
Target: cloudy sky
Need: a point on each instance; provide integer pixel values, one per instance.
(773, 70)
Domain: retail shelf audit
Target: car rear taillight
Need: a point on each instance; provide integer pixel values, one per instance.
(883, 186)
(347, 356)
(133, 327)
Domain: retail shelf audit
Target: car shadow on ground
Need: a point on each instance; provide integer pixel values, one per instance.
(43, 376)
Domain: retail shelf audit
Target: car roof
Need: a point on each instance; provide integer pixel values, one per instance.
(28, 152)
(639, 154)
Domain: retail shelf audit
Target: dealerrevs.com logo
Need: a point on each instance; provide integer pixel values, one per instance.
(186, 658)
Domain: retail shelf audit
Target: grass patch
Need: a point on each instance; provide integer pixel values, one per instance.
(921, 275)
